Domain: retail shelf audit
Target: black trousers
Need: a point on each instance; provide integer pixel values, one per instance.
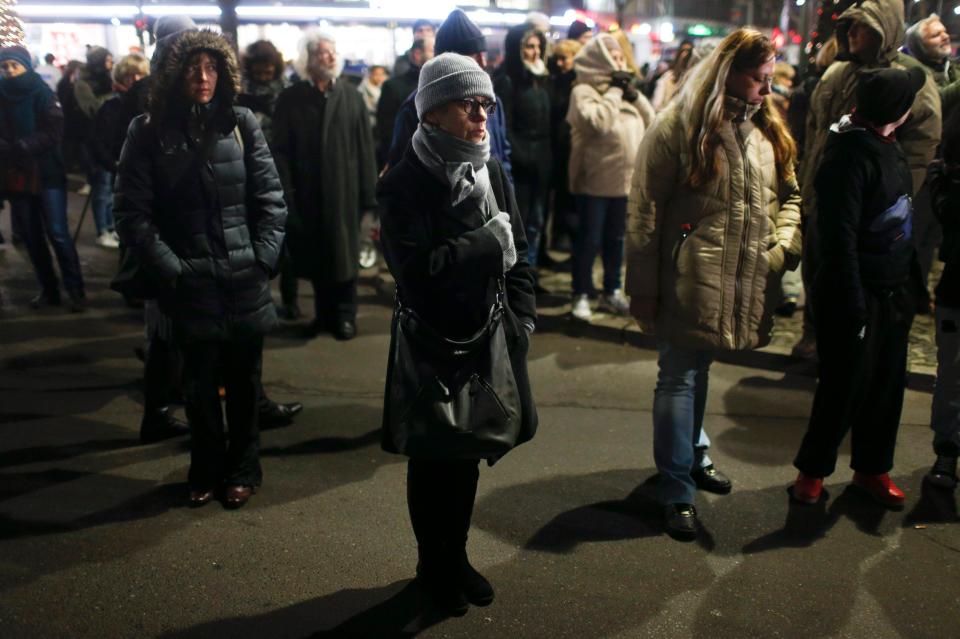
(214, 457)
(440, 496)
(161, 375)
(333, 301)
(861, 386)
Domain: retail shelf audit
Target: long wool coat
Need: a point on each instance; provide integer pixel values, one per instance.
(323, 148)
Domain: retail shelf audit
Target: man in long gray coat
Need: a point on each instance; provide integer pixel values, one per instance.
(323, 148)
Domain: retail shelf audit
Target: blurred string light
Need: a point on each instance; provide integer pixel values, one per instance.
(406, 11)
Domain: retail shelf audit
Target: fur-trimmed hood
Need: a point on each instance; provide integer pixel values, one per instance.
(165, 89)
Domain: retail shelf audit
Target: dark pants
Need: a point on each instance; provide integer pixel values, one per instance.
(335, 301)
(927, 234)
(810, 265)
(532, 204)
(215, 458)
(161, 374)
(861, 386)
(42, 217)
(602, 226)
(440, 496)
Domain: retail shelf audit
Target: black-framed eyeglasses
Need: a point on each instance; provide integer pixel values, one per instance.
(472, 107)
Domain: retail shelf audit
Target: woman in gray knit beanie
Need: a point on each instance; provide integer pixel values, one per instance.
(452, 237)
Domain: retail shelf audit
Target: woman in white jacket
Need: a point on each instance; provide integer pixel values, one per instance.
(608, 117)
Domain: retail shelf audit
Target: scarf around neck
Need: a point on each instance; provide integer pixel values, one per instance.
(537, 68)
(459, 164)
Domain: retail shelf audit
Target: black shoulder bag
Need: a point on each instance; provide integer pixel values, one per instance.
(450, 398)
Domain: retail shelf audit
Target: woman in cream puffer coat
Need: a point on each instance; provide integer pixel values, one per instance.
(607, 117)
(713, 223)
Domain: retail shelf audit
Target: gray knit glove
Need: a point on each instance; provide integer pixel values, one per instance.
(499, 225)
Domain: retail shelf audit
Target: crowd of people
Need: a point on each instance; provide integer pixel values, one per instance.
(725, 186)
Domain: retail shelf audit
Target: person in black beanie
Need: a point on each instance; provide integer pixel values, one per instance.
(457, 34)
(864, 290)
(579, 31)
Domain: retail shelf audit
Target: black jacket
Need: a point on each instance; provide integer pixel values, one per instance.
(323, 148)
(31, 128)
(945, 195)
(393, 93)
(526, 105)
(112, 121)
(208, 230)
(446, 264)
(860, 178)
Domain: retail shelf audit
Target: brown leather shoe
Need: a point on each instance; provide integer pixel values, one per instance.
(237, 496)
(200, 497)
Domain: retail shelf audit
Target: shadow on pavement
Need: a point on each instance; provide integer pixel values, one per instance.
(397, 610)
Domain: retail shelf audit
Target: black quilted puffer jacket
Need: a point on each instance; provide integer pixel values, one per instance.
(199, 203)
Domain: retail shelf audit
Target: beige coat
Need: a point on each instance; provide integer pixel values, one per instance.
(605, 129)
(835, 96)
(717, 288)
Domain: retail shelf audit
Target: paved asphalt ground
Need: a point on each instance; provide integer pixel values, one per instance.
(95, 540)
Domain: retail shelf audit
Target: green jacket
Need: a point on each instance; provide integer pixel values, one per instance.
(835, 96)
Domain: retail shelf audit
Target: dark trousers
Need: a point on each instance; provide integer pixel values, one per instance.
(161, 374)
(335, 301)
(440, 496)
(861, 385)
(603, 222)
(532, 205)
(214, 457)
(44, 217)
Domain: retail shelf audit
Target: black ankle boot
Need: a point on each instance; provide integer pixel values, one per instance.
(475, 586)
(439, 581)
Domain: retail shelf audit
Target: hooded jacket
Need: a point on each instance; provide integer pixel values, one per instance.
(715, 282)
(526, 107)
(944, 72)
(198, 201)
(605, 129)
(95, 85)
(835, 96)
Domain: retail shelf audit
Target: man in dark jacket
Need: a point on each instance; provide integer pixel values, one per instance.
(324, 152)
(863, 288)
(945, 416)
(199, 203)
(397, 89)
(457, 34)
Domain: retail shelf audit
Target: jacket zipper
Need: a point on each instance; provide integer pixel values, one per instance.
(747, 212)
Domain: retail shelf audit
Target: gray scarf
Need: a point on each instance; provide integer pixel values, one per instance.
(458, 163)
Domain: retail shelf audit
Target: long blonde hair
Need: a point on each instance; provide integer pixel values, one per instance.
(701, 101)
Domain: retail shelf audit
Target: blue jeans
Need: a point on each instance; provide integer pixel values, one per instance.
(41, 217)
(603, 222)
(532, 203)
(945, 414)
(679, 442)
(101, 199)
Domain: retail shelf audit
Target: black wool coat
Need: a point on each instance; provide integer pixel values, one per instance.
(208, 230)
(323, 148)
(446, 263)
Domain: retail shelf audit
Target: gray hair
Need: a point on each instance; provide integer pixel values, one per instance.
(308, 45)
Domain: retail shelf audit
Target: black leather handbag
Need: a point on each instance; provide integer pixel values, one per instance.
(451, 398)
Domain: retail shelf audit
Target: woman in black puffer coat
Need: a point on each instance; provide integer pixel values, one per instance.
(199, 203)
(522, 84)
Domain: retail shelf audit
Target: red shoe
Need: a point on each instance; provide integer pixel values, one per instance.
(881, 488)
(807, 489)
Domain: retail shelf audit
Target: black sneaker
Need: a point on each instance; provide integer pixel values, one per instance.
(46, 298)
(944, 472)
(681, 521)
(161, 425)
(712, 480)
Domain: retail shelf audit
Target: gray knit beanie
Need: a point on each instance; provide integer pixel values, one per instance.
(448, 77)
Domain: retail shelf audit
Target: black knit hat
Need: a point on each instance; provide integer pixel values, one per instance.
(577, 29)
(458, 34)
(884, 95)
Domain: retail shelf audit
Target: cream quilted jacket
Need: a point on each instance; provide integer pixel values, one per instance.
(716, 288)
